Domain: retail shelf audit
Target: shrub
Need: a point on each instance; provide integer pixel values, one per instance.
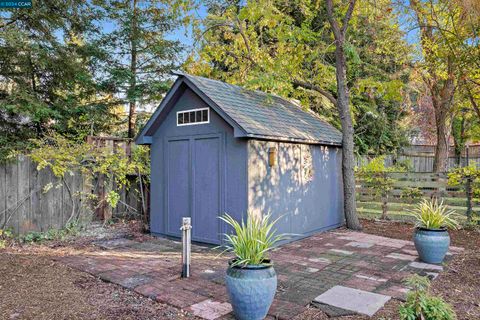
(469, 179)
(411, 193)
(252, 240)
(430, 214)
(71, 229)
(5, 236)
(421, 304)
(375, 177)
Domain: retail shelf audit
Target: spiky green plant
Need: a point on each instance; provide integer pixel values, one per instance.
(431, 214)
(252, 240)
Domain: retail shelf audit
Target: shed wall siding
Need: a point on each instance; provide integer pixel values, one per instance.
(233, 158)
(304, 187)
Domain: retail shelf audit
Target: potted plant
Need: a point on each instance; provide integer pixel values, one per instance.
(431, 236)
(251, 280)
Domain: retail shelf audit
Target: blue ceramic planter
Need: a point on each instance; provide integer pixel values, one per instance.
(251, 290)
(431, 244)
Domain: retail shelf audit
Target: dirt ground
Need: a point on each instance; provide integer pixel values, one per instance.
(32, 286)
(459, 284)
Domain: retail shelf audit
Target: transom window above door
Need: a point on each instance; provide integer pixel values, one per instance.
(193, 116)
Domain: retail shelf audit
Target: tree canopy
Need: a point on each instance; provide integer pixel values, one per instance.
(287, 48)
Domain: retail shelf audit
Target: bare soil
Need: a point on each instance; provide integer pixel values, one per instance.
(33, 286)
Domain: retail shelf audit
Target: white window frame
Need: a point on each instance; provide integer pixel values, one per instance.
(193, 123)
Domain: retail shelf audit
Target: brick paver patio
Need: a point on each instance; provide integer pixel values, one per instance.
(306, 269)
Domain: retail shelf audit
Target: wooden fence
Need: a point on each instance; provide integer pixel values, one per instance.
(421, 157)
(32, 200)
(429, 184)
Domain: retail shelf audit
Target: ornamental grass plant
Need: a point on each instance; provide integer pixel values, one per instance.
(430, 214)
(252, 239)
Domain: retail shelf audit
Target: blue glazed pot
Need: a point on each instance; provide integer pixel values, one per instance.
(431, 244)
(251, 290)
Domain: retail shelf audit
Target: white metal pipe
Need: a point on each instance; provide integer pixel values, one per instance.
(186, 246)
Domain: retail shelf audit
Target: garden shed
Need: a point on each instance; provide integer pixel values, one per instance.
(219, 148)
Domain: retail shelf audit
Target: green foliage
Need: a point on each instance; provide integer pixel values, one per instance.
(112, 198)
(269, 45)
(252, 240)
(62, 70)
(66, 157)
(47, 71)
(411, 193)
(375, 175)
(70, 230)
(430, 214)
(6, 235)
(459, 177)
(421, 304)
(140, 53)
(405, 165)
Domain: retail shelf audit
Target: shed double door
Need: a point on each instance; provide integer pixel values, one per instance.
(194, 185)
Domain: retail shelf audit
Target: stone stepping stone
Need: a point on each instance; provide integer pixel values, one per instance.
(422, 265)
(359, 301)
(362, 245)
(210, 309)
(114, 243)
(344, 252)
(401, 256)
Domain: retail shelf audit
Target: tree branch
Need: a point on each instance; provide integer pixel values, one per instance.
(348, 16)
(333, 22)
(316, 88)
(473, 102)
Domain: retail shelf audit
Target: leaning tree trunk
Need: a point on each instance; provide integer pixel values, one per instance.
(343, 106)
(348, 155)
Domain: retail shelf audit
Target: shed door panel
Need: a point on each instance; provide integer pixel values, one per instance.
(194, 188)
(206, 187)
(178, 184)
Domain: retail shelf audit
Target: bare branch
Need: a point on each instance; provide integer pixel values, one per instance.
(348, 16)
(310, 86)
(333, 22)
(472, 101)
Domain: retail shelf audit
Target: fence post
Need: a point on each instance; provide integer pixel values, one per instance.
(468, 189)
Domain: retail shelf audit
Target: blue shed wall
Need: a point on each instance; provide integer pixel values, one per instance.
(232, 158)
(304, 187)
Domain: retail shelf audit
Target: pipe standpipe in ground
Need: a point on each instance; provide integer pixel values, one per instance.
(186, 246)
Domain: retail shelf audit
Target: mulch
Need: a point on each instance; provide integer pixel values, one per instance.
(33, 286)
(459, 284)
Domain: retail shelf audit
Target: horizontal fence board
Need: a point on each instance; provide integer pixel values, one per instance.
(369, 201)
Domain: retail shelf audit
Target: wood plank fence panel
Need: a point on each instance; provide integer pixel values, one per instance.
(11, 183)
(3, 195)
(25, 207)
(429, 184)
(421, 157)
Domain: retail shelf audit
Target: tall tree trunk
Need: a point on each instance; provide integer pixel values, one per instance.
(133, 73)
(348, 155)
(442, 98)
(343, 106)
(440, 161)
(441, 90)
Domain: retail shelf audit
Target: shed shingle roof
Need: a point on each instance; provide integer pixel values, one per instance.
(267, 116)
(253, 114)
